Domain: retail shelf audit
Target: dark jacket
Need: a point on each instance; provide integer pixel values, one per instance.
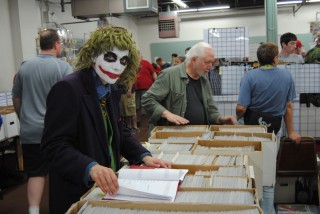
(75, 135)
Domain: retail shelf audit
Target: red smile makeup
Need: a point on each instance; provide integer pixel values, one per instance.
(111, 75)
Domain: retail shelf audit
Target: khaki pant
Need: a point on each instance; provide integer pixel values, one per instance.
(128, 105)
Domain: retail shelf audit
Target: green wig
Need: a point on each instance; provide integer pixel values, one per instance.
(105, 39)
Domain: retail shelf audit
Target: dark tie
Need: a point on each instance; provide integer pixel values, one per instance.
(108, 127)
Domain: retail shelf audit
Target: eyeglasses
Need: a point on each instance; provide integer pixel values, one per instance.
(206, 62)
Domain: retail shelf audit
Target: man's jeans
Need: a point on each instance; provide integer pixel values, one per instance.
(268, 200)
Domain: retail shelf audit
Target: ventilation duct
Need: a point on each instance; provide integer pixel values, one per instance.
(169, 25)
(83, 9)
(141, 7)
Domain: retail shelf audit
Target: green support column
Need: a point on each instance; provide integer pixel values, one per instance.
(271, 20)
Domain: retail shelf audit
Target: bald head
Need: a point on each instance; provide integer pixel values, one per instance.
(48, 39)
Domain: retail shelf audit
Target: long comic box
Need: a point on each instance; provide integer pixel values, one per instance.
(239, 128)
(177, 134)
(269, 149)
(180, 128)
(107, 207)
(229, 147)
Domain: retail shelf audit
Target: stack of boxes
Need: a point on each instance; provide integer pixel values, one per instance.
(216, 168)
(10, 127)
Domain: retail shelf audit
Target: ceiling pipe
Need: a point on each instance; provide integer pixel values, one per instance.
(79, 22)
(295, 10)
(227, 13)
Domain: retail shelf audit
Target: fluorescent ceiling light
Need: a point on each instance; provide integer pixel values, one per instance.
(203, 9)
(214, 8)
(180, 3)
(186, 10)
(313, 1)
(288, 2)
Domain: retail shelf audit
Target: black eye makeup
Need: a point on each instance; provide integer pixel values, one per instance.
(124, 60)
(112, 57)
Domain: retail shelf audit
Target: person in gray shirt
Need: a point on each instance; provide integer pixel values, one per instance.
(288, 43)
(31, 86)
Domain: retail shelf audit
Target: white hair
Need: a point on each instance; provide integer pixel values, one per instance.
(198, 50)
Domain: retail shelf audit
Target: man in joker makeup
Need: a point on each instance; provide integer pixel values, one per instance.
(83, 138)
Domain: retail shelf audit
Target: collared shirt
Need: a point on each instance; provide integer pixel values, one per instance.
(102, 90)
(37, 75)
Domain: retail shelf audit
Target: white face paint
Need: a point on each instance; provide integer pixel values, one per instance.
(110, 65)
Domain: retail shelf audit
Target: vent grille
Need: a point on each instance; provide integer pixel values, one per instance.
(168, 25)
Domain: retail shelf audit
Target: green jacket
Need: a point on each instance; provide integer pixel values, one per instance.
(313, 55)
(168, 92)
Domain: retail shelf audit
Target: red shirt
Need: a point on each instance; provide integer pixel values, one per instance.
(145, 76)
(158, 70)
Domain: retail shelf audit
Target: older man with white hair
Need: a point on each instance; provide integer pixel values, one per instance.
(182, 95)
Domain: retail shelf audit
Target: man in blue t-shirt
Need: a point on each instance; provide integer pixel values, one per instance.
(268, 89)
(266, 94)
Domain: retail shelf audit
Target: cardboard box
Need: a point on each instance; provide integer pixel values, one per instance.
(160, 206)
(2, 135)
(93, 194)
(180, 128)
(10, 123)
(6, 109)
(209, 182)
(239, 128)
(192, 169)
(185, 166)
(96, 194)
(213, 190)
(223, 144)
(166, 135)
(255, 158)
(169, 148)
(269, 150)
